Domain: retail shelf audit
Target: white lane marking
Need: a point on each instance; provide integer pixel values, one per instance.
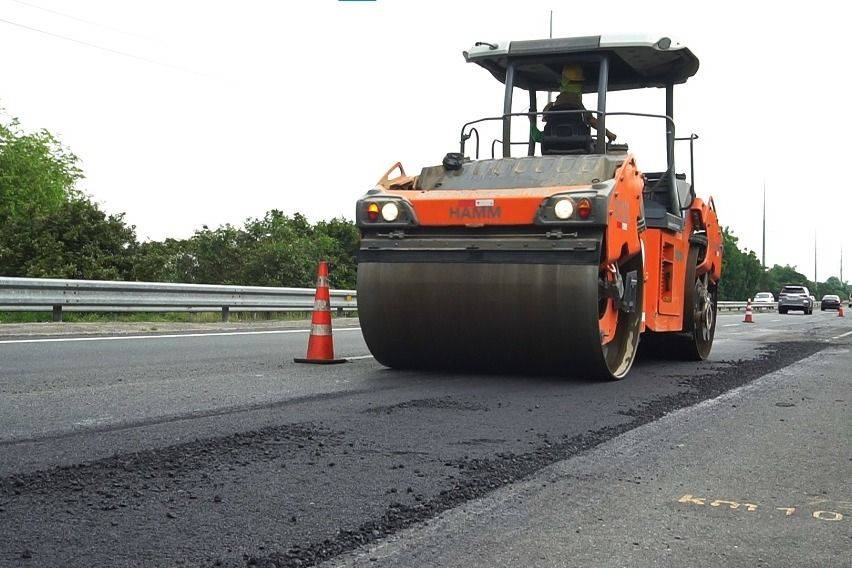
(842, 335)
(166, 336)
(730, 324)
(358, 357)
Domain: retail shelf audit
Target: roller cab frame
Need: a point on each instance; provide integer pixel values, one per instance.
(555, 261)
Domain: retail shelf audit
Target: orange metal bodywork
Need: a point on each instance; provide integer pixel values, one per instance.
(665, 251)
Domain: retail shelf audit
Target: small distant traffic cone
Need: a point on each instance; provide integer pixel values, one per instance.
(749, 317)
(320, 343)
(840, 311)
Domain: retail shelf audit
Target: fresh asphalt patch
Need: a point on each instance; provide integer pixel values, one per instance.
(307, 491)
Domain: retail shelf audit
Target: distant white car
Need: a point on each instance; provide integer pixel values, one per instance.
(764, 298)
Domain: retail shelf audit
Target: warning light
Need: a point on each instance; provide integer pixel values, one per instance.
(584, 208)
(373, 212)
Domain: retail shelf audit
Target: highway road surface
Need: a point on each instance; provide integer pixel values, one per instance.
(212, 448)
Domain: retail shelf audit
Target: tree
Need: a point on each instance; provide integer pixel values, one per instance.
(37, 173)
(273, 250)
(171, 260)
(74, 240)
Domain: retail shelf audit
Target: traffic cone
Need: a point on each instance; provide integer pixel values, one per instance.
(840, 311)
(749, 317)
(320, 343)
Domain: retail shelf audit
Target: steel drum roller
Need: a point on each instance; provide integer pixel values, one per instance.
(480, 316)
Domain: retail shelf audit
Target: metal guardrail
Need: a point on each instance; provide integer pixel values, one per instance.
(741, 306)
(55, 295)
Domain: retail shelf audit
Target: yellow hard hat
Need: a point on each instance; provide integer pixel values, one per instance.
(572, 73)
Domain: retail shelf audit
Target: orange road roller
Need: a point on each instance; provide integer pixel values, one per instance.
(559, 255)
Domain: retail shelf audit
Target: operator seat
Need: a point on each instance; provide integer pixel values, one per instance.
(567, 134)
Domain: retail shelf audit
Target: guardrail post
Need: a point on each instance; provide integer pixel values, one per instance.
(57, 313)
(226, 314)
(340, 311)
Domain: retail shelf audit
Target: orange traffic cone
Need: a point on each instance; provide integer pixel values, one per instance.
(749, 317)
(840, 311)
(320, 343)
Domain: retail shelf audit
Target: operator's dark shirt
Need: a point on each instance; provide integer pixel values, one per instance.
(566, 101)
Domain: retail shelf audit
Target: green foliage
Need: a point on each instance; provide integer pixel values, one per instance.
(275, 250)
(833, 286)
(74, 240)
(742, 274)
(37, 173)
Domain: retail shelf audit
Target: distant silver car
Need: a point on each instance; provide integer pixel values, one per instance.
(797, 298)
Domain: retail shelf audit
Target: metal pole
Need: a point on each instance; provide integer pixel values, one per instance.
(815, 259)
(507, 110)
(57, 313)
(226, 314)
(533, 122)
(692, 162)
(603, 83)
(674, 197)
(763, 250)
(549, 94)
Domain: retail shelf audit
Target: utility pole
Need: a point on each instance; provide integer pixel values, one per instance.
(763, 253)
(815, 259)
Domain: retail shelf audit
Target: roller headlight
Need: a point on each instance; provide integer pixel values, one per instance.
(564, 208)
(390, 212)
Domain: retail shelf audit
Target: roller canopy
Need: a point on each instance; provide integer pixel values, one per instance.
(635, 61)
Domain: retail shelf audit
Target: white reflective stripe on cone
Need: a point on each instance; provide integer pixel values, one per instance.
(322, 282)
(321, 305)
(320, 329)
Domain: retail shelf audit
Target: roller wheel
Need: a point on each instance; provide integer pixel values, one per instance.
(699, 322)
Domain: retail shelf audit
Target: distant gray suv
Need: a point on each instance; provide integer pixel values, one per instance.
(795, 298)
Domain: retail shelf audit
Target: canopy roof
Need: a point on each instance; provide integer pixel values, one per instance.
(635, 61)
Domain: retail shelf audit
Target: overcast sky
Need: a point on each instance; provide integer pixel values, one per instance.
(207, 112)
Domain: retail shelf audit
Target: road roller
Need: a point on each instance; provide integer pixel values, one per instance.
(559, 254)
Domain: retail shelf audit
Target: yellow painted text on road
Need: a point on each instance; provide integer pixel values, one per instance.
(823, 515)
